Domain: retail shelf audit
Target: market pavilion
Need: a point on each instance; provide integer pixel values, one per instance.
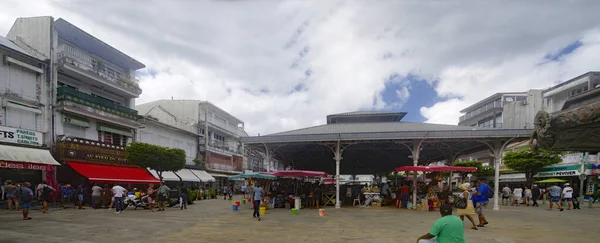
(367, 142)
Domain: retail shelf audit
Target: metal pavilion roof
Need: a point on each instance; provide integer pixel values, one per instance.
(376, 147)
(384, 131)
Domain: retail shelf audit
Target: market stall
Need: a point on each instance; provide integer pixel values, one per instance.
(309, 182)
(431, 190)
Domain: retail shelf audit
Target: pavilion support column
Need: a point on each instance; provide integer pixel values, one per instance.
(497, 149)
(416, 151)
(338, 158)
(267, 157)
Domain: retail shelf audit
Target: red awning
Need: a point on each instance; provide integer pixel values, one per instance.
(437, 168)
(107, 173)
(296, 173)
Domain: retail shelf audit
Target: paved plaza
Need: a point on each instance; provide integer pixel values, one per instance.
(214, 221)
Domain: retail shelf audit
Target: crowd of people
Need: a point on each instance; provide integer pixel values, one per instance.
(20, 196)
(556, 195)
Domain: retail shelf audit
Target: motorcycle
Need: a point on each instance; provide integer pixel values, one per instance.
(133, 201)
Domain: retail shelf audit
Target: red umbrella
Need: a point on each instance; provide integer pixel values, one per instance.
(437, 168)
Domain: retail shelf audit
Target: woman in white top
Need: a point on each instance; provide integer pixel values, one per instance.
(517, 195)
(527, 196)
(470, 209)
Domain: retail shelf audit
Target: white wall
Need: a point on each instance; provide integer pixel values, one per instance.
(23, 90)
(519, 115)
(162, 136)
(33, 35)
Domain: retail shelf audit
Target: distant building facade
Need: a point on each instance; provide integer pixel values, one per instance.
(219, 146)
(504, 110)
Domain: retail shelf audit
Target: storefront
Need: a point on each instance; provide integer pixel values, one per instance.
(94, 162)
(22, 157)
(571, 174)
(513, 179)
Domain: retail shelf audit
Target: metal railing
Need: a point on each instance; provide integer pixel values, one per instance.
(70, 94)
(97, 66)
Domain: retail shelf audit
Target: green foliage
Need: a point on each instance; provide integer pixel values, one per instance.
(529, 162)
(192, 195)
(472, 163)
(213, 193)
(155, 157)
(485, 171)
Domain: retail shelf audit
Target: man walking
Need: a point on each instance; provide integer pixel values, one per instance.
(163, 196)
(118, 192)
(506, 195)
(44, 191)
(481, 200)
(96, 195)
(576, 195)
(182, 197)
(258, 196)
(26, 198)
(567, 195)
(555, 192)
(535, 194)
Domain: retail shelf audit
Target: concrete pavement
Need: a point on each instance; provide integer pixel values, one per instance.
(214, 221)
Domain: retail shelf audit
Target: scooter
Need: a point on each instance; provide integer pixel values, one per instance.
(135, 202)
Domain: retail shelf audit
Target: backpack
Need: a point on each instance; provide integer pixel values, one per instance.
(490, 192)
(45, 192)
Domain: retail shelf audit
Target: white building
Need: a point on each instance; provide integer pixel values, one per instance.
(513, 110)
(24, 115)
(93, 88)
(221, 150)
(182, 137)
(555, 97)
(94, 84)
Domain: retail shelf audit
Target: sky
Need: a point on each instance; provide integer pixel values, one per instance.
(282, 65)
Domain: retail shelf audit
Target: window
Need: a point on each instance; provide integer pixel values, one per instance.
(486, 123)
(73, 131)
(21, 119)
(22, 82)
(112, 138)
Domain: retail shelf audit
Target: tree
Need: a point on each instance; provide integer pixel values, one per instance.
(470, 163)
(529, 162)
(158, 158)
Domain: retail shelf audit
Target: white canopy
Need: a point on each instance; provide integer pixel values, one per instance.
(185, 174)
(167, 175)
(28, 155)
(203, 175)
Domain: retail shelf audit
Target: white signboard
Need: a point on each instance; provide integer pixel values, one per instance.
(20, 136)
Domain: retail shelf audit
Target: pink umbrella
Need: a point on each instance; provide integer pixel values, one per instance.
(296, 173)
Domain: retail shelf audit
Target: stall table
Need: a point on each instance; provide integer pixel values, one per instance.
(369, 196)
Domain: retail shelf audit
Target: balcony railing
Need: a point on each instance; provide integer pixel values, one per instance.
(214, 144)
(482, 109)
(70, 94)
(96, 66)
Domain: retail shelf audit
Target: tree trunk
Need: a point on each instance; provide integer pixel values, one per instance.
(159, 176)
(180, 180)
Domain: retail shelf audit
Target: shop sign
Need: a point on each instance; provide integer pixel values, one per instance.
(567, 170)
(73, 151)
(518, 177)
(21, 166)
(20, 136)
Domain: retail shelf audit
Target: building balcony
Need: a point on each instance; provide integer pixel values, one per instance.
(72, 95)
(493, 105)
(220, 147)
(85, 66)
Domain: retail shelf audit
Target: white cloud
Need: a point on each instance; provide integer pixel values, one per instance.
(229, 51)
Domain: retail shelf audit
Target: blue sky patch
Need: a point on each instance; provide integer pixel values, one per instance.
(564, 51)
(421, 94)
